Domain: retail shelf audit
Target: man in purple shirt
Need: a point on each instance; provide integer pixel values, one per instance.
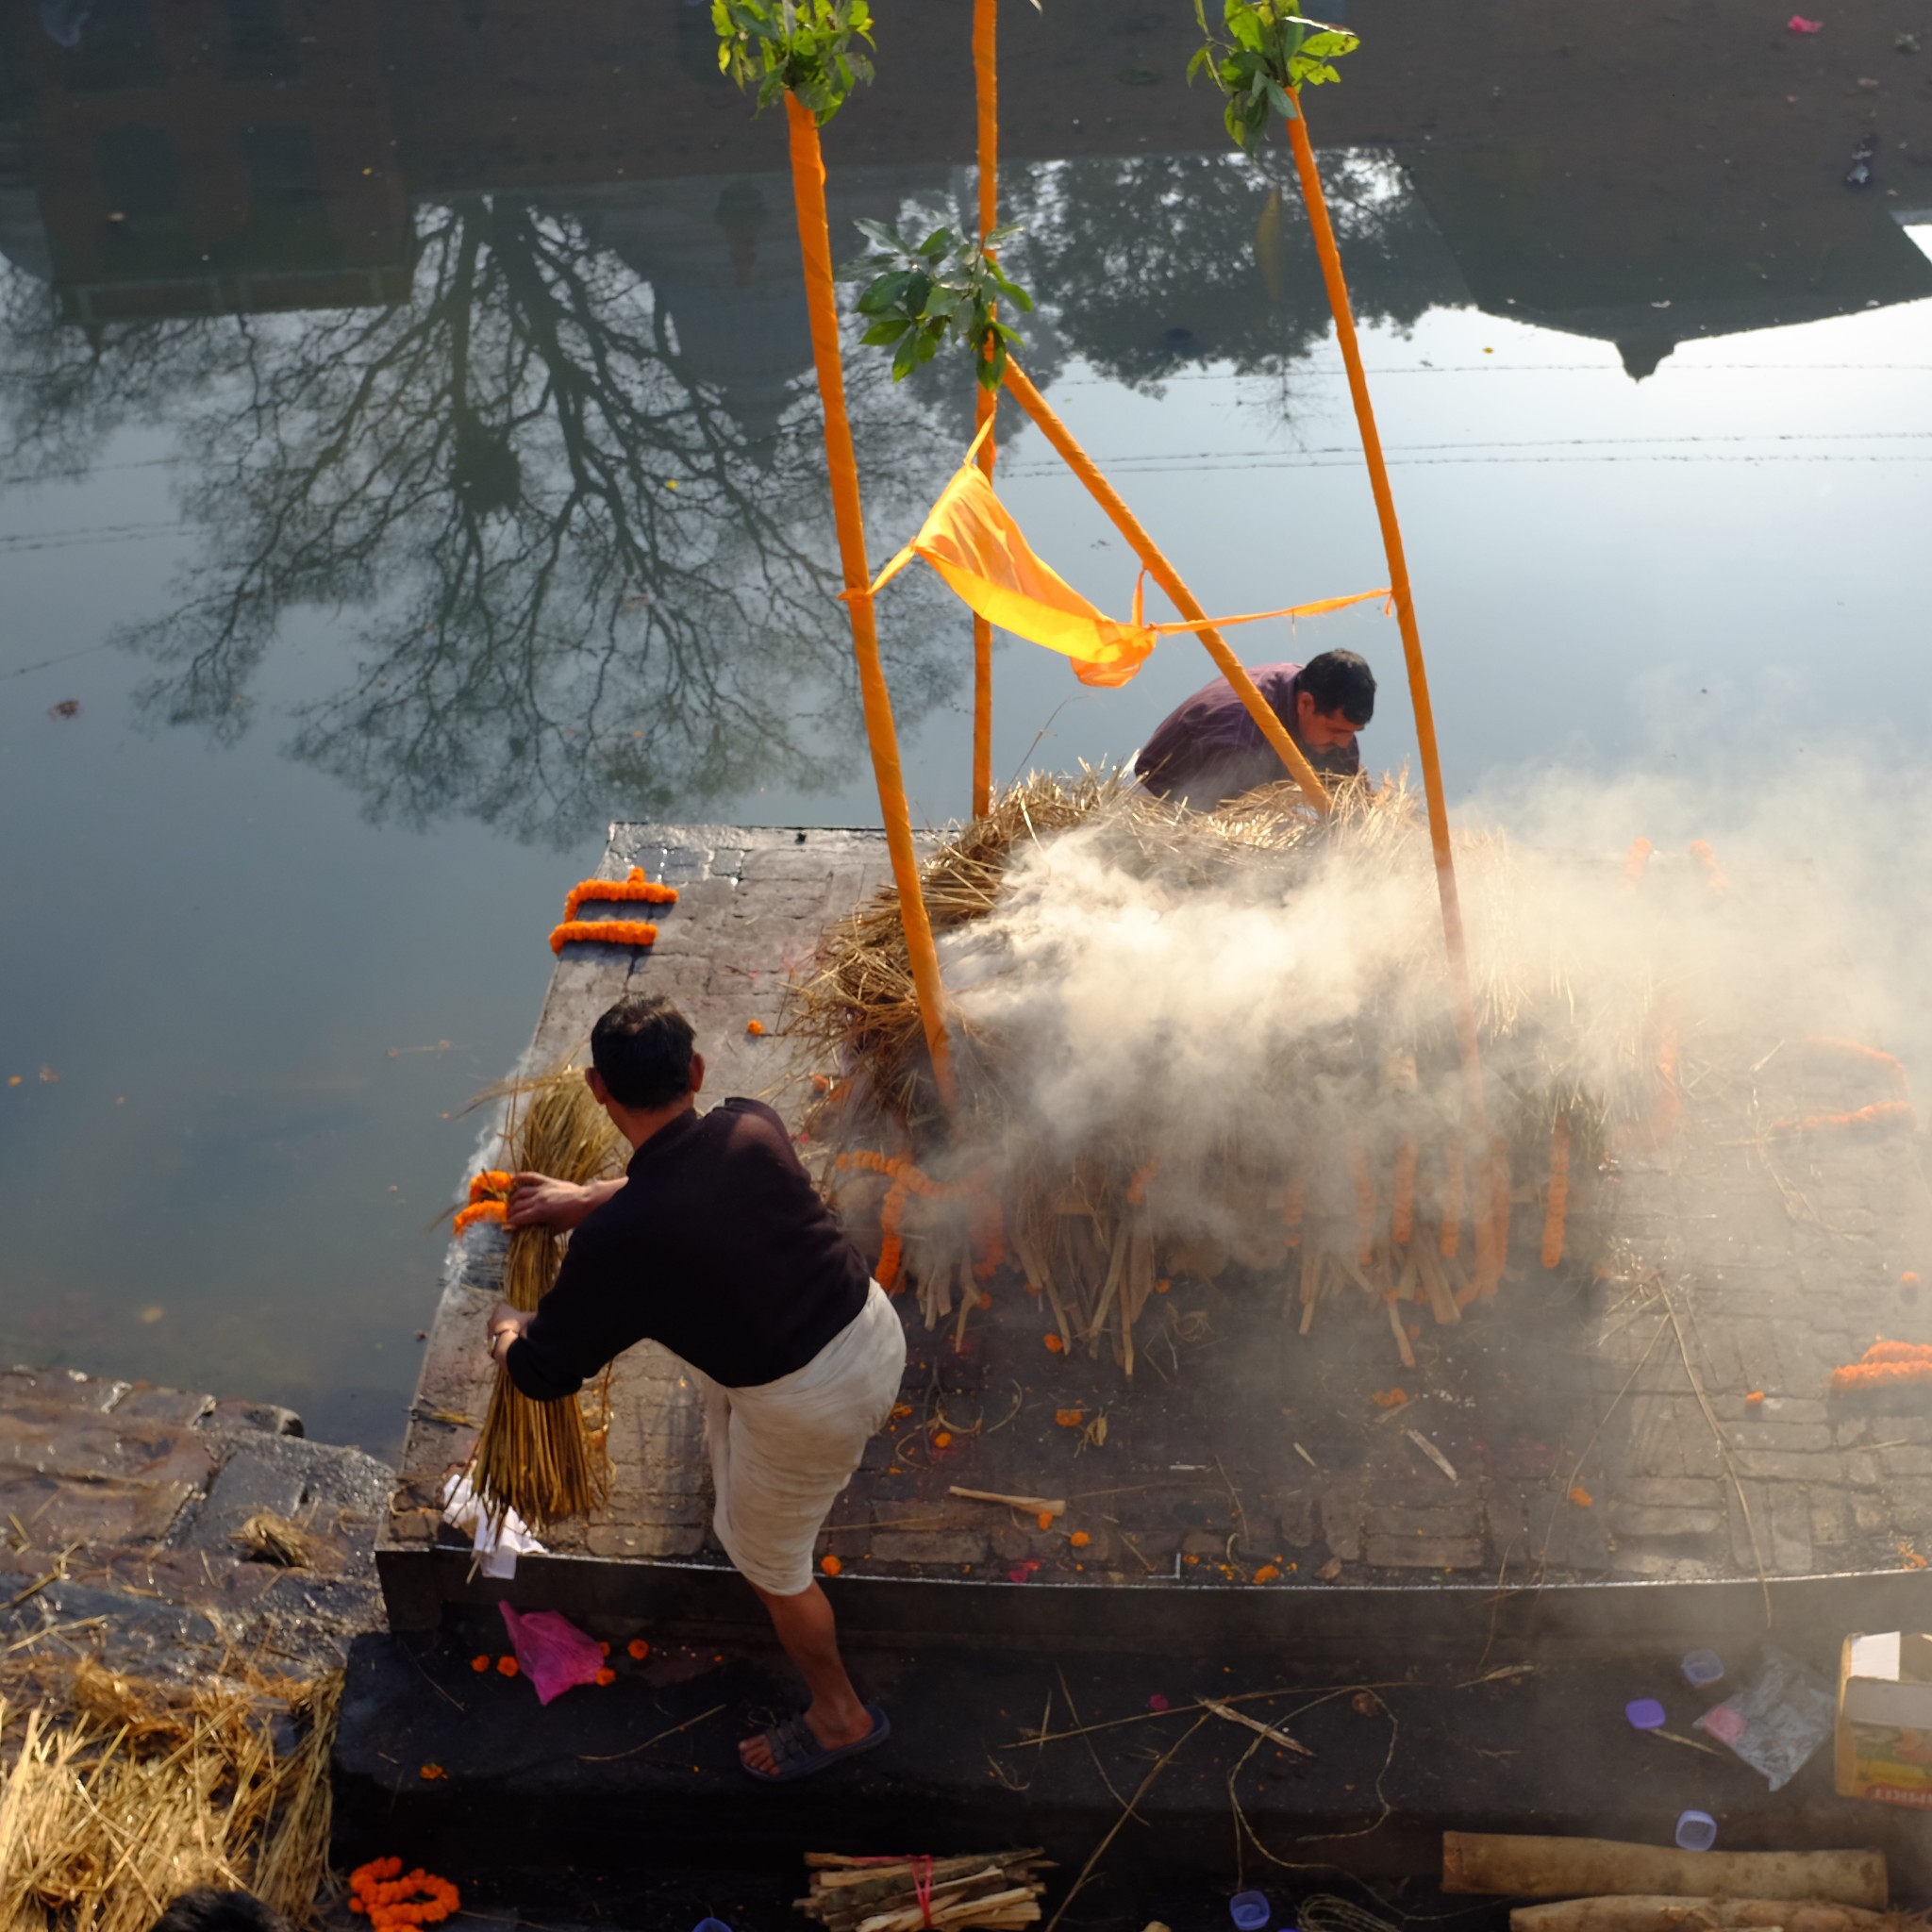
(1209, 750)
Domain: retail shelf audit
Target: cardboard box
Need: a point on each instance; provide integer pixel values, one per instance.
(1884, 1734)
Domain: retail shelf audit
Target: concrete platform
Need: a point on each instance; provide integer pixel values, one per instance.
(1249, 1483)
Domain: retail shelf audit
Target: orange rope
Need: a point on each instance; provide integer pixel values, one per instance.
(815, 243)
(985, 401)
(1411, 650)
(1164, 574)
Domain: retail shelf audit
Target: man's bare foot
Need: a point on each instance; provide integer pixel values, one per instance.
(834, 1731)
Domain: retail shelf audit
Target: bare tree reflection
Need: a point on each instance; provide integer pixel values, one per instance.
(578, 583)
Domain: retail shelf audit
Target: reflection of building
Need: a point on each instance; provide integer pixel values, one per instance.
(189, 156)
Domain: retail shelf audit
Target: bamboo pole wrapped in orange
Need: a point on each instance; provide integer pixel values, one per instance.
(814, 236)
(1402, 1209)
(1451, 1198)
(1557, 1205)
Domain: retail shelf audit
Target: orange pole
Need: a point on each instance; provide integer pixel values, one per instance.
(815, 243)
(1164, 574)
(985, 401)
(1454, 938)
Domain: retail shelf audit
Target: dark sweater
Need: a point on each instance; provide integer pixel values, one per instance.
(717, 1245)
(1209, 750)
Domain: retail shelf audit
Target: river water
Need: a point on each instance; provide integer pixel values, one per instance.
(408, 463)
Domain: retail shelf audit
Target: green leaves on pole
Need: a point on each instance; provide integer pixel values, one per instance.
(797, 46)
(916, 294)
(1270, 50)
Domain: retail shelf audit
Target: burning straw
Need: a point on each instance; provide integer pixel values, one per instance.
(108, 1813)
(1124, 1115)
(540, 1459)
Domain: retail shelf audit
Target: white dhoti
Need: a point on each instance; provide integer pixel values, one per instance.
(781, 1452)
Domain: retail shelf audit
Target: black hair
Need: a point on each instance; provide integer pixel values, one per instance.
(641, 1048)
(204, 1909)
(1340, 681)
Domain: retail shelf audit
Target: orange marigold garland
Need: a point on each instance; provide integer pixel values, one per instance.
(609, 932)
(1886, 1365)
(632, 891)
(1881, 1113)
(468, 1217)
(493, 1184)
(390, 1898)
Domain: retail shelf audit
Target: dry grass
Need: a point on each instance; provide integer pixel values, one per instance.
(538, 1458)
(1093, 1250)
(109, 1810)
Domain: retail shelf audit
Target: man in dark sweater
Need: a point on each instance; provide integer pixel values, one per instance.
(716, 1244)
(1210, 750)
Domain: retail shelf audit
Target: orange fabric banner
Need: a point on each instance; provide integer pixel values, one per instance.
(969, 538)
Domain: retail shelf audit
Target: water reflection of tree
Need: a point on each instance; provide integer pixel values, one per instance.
(1153, 261)
(580, 586)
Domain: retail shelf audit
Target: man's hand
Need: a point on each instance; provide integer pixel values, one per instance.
(506, 1324)
(537, 1201)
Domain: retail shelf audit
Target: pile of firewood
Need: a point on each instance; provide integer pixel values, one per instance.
(989, 1889)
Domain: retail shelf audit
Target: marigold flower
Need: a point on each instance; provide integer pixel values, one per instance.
(1388, 1398)
(755, 1027)
(605, 1648)
(1162, 1286)
(606, 1676)
(467, 1218)
(1755, 1396)
(506, 1667)
(1079, 1538)
(830, 1565)
(1267, 1572)
(1053, 1344)
(901, 1410)
(820, 1083)
(609, 932)
(639, 1648)
(480, 1664)
(433, 1771)
(1070, 1418)
(1582, 1497)
(1045, 1519)
(943, 1439)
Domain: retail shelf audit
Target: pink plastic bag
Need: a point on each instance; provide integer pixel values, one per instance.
(551, 1651)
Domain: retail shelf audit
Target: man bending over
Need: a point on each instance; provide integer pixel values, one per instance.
(1209, 750)
(716, 1244)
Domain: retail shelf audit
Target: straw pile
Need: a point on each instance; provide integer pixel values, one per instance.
(994, 1890)
(541, 1458)
(110, 1812)
(1356, 1180)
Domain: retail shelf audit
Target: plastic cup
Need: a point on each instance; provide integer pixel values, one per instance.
(1249, 1910)
(1703, 1667)
(1645, 1714)
(1697, 1831)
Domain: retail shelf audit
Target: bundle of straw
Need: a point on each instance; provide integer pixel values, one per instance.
(538, 1458)
(1357, 1181)
(107, 1814)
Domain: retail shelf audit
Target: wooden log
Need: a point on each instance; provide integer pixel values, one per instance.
(1650, 1914)
(1037, 1505)
(1575, 1866)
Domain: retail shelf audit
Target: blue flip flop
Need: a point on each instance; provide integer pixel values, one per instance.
(798, 1753)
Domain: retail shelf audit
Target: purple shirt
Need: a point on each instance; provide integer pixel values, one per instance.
(1209, 750)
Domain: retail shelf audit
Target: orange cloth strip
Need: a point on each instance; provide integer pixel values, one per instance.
(970, 538)
(815, 244)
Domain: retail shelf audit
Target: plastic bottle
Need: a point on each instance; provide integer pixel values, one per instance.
(1249, 1910)
(1697, 1831)
(1702, 1667)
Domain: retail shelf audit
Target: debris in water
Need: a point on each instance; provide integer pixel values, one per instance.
(67, 708)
